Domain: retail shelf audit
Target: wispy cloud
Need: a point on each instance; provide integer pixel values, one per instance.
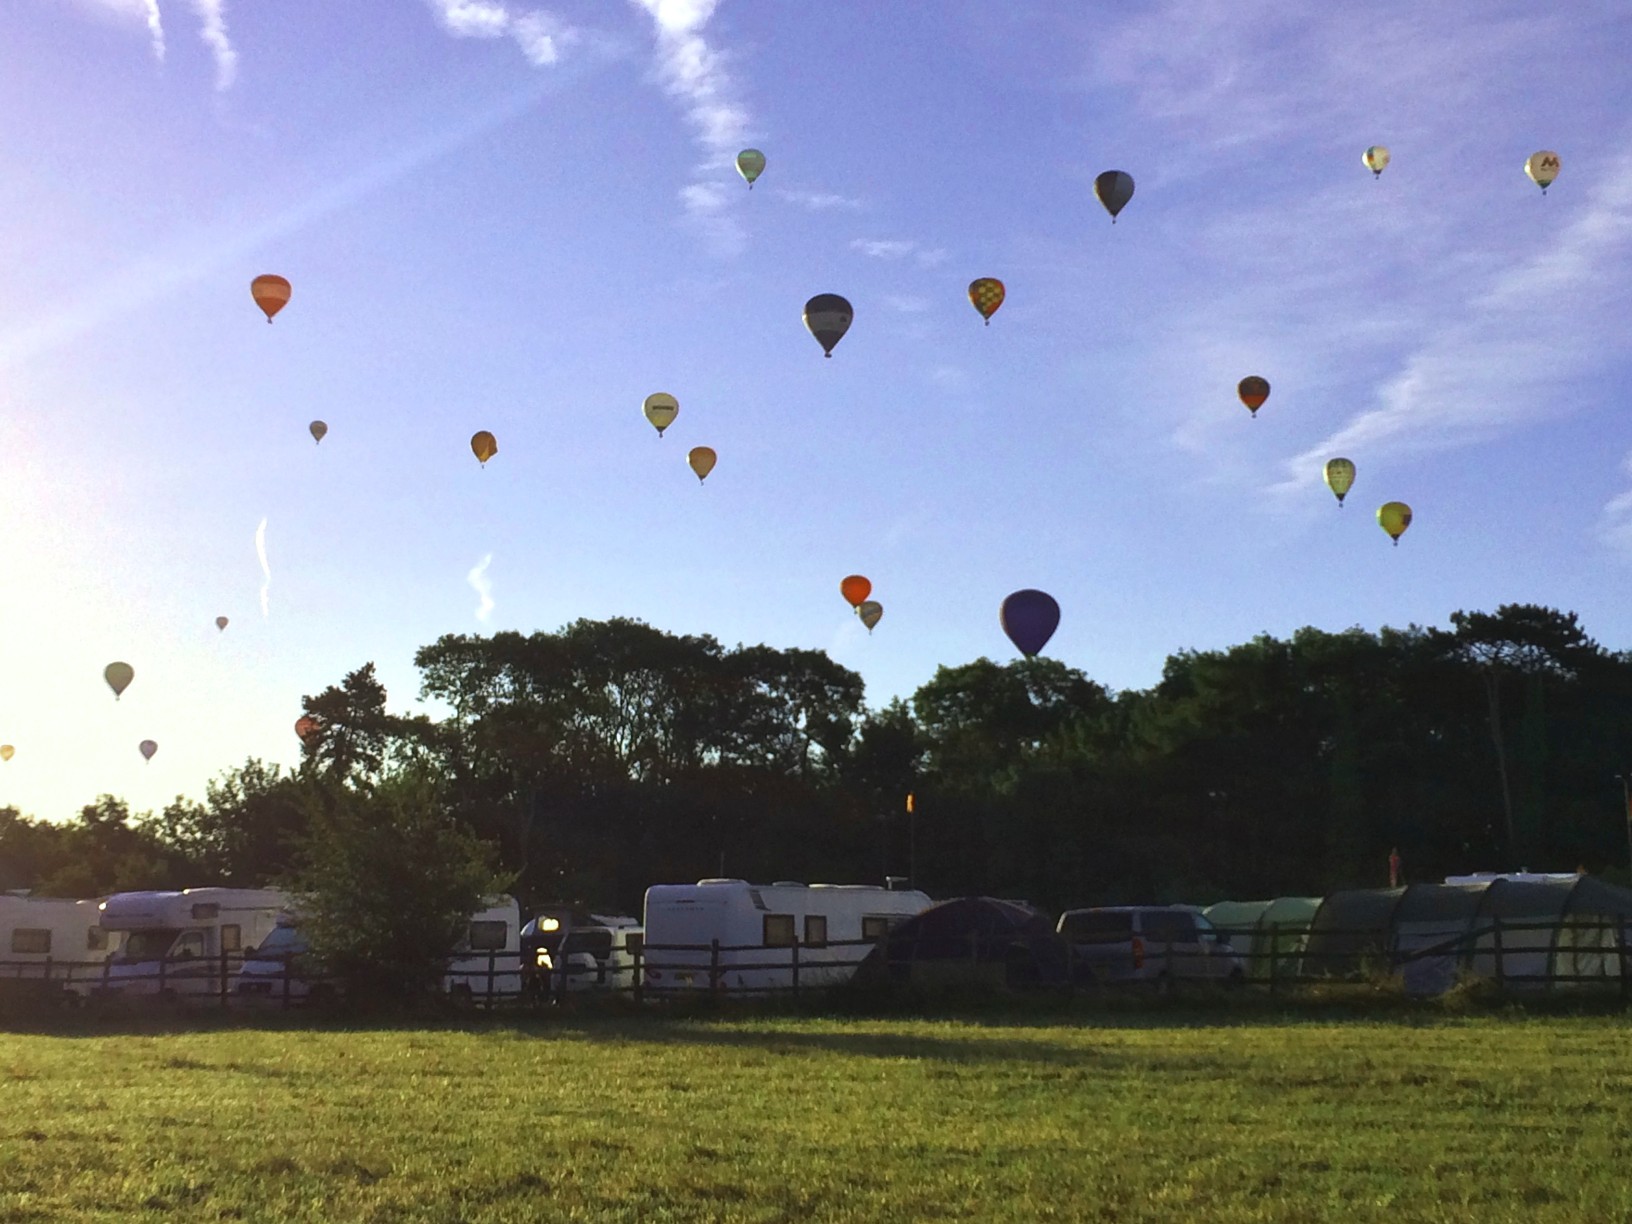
(900, 248)
(266, 570)
(694, 72)
(212, 18)
(540, 35)
(155, 26)
(906, 303)
(818, 201)
(483, 586)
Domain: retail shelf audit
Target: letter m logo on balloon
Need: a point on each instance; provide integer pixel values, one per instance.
(1549, 163)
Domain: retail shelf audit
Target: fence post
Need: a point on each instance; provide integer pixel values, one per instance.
(796, 966)
(223, 979)
(164, 961)
(1496, 949)
(1274, 957)
(714, 980)
(289, 972)
(492, 958)
(637, 971)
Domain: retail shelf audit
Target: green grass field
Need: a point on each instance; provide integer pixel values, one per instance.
(1164, 1116)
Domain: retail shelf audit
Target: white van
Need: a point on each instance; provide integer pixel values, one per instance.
(190, 942)
(58, 939)
(780, 936)
(281, 972)
(564, 949)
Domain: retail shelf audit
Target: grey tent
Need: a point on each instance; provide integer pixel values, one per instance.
(970, 940)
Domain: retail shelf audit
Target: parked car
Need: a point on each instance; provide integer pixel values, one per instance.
(1148, 943)
(566, 949)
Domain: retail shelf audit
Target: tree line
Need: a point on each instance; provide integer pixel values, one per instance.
(585, 764)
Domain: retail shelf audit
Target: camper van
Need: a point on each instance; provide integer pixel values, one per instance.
(185, 943)
(770, 937)
(281, 971)
(54, 938)
(566, 949)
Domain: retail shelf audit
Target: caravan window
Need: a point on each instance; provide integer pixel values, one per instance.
(875, 926)
(96, 939)
(779, 931)
(206, 909)
(634, 942)
(487, 936)
(31, 942)
(232, 938)
(815, 930)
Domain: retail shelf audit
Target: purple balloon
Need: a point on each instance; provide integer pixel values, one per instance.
(1030, 618)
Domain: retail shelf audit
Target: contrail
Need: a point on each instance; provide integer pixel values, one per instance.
(260, 551)
(483, 586)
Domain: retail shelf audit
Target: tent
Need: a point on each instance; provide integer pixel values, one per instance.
(970, 941)
(1270, 935)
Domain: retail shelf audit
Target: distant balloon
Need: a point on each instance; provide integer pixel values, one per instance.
(1114, 189)
(987, 294)
(149, 748)
(1253, 392)
(271, 294)
(1340, 477)
(1376, 160)
(306, 727)
(118, 676)
(221, 622)
(828, 317)
(855, 588)
(661, 408)
(1030, 618)
(871, 612)
(485, 445)
(702, 460)
(318, 429)
(7, 752)
(750, 164)
(1394, 518)
(1542, 167)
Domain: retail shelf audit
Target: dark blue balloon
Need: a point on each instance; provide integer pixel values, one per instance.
(1030, 618)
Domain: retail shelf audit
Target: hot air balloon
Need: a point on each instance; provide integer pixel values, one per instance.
(828, 316)
(1542, 167)
(118, 676)
(1375, 160)
(306, 727)
(1114, 189)
(987, 294)
(221, 622)
(1030, 618)
(7, 752)
(855, 588)
(661, 408)
(1394, 518)
(750, 164)
(1340, 477)
(485, 445)
(702, 460)
(271, 294)
(318, 429)
(1253, 392)
(149, 748)
(871, 612)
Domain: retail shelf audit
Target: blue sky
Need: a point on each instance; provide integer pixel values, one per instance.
(521, 218)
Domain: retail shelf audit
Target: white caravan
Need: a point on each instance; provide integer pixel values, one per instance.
(770, 937)
(55, 938)
(186, 943)
(492, 938)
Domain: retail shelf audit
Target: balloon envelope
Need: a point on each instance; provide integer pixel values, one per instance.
(1340, 477)
(484, 445)
(271, 294)
(1114, 189)
(149, 748)
(7, 752)
(987, 294)
(1394, 518)
(318, 429)
(1030, 618)
(828, 317)
(871, 612)
(855, 588)
(221, 622)
(1375, 159)
(1253, 392)
(661, 408)
(305, 727)
(118, 676)
(702, 460)
(750, 164)
(1542, 166)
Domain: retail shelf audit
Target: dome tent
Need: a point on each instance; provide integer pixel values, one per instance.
(1269, 934)
(969, 941)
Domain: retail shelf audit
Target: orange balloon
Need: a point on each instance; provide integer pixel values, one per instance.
(306, 726)
(855, 589)
(271, 294)
(1253, 392)
(485, 445)
(702, 460)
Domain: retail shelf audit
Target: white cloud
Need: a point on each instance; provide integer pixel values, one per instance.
(906, 304)
(212, 19)
(884, 248)
(483, 586)
(540, 35)
(266, 570)
(817, 201)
